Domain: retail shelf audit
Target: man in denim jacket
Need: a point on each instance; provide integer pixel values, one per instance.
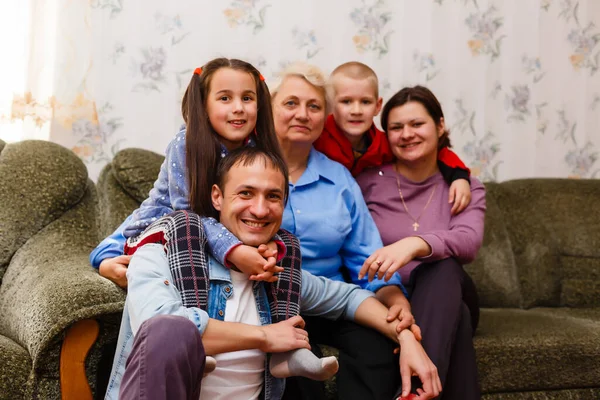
(162, 344)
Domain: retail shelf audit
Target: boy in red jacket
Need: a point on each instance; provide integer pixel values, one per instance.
(351, 138)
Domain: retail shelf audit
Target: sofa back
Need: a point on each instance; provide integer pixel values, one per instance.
(541, 244)
(123, 184)
(39, 182)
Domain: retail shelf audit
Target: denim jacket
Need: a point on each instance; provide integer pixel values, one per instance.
(149, 273)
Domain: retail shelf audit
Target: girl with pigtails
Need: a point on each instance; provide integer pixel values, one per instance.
(227, 105)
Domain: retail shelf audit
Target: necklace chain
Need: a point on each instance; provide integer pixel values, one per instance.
(415, 224)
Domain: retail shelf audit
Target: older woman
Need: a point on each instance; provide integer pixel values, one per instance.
(408, 199)
(327, 213)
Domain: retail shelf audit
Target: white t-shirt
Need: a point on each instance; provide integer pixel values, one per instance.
(240, 374)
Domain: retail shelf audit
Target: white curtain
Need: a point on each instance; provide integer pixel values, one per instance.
(518, 79)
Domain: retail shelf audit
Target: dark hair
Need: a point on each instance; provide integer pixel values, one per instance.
(247, 156)
(427, 99)
(202, 145)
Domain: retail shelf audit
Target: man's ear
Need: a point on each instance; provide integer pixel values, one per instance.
(441, 127)
(379, 104)
(217, 197)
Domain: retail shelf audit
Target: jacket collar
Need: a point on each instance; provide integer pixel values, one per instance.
(216, 271)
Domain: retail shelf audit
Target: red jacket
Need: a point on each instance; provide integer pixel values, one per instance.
(336, 146)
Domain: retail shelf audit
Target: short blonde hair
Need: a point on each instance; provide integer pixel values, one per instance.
(353, 70)
(310, 73)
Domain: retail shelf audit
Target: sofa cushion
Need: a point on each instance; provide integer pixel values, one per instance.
(548, 219)
(494, 271)
(538, 349)
(569, 394)
(39, 181)
(581, 281)
(16, 365)
(136, 170)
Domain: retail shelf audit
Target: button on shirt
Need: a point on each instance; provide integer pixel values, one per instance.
(326, 211)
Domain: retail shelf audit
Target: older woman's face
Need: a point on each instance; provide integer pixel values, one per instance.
(298, 111)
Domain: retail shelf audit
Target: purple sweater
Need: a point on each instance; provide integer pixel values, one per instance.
(457, 236)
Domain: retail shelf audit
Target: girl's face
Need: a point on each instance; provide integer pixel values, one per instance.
(298, 111)
(412, 133)
(232, 106)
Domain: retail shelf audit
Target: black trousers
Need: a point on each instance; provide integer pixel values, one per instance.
(445, 305)
(368, 367)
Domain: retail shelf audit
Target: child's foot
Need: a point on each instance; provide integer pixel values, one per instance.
(303, 362)
(209, 365)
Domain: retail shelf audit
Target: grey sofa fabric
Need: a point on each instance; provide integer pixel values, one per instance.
(47, 230)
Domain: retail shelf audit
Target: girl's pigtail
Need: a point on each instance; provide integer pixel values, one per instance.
(198, 140)
(266, 137)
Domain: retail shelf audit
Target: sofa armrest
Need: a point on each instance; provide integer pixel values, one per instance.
(75, 347)
(40, 299)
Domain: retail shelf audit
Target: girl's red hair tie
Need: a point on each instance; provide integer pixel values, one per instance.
(198, 71)
(262, 78)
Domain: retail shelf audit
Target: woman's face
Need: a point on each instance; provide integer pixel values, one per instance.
(412, 133)
(298, 111)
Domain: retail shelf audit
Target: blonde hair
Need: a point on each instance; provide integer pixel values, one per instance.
(310, 73)
(353, 70)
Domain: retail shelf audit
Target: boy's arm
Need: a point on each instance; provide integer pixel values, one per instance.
(452, 174)
(456, 174)
(451, 166)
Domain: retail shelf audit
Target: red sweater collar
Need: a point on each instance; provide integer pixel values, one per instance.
(334, 144)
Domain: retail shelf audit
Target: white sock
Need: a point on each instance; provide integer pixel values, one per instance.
(302, 362)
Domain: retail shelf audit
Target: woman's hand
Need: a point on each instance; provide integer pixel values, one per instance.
(115, 269)
(257, 263)
(389, 259)
(460, 195)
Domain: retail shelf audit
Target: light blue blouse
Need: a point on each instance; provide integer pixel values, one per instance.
(327, 212)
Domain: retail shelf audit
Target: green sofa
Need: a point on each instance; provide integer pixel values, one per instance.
(538, 276)
(56, 312)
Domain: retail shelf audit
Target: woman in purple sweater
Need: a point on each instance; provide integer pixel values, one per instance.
(424, 242)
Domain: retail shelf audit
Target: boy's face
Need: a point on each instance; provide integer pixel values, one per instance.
(355, 104)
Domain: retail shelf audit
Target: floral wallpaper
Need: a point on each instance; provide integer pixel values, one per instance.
(518, 80)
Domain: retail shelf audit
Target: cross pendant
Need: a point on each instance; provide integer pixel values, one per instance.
(415, 226)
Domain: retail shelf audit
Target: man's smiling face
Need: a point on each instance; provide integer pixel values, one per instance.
(251, 201)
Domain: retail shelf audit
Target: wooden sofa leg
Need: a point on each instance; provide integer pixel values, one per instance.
(78, 341)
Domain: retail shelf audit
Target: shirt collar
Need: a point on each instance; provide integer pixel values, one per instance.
(318, 167)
